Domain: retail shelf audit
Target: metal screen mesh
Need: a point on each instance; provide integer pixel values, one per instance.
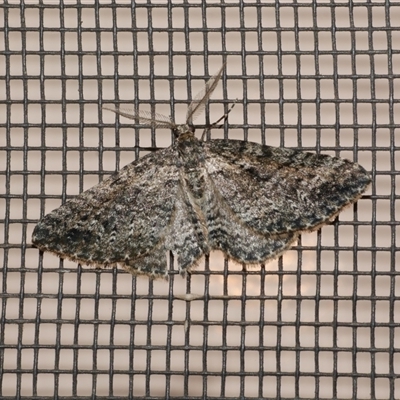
(320, 322)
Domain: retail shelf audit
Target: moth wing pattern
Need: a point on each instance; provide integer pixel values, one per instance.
(249, 200)
(125, 219)
(278, 190)
(228, 232)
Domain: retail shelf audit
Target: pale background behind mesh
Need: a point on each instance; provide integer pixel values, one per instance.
(322, 321)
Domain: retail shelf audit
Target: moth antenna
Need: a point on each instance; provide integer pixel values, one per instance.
(144, 117)
(196, 107)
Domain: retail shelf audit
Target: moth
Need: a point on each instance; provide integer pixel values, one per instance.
(248, 200)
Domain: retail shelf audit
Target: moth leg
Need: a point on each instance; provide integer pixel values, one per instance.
(214, 125)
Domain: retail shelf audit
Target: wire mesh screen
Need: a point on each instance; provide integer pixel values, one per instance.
(322, 321)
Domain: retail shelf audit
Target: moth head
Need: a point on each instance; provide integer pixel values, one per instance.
(183, 131)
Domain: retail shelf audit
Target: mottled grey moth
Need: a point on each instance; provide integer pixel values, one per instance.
(248, 200)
